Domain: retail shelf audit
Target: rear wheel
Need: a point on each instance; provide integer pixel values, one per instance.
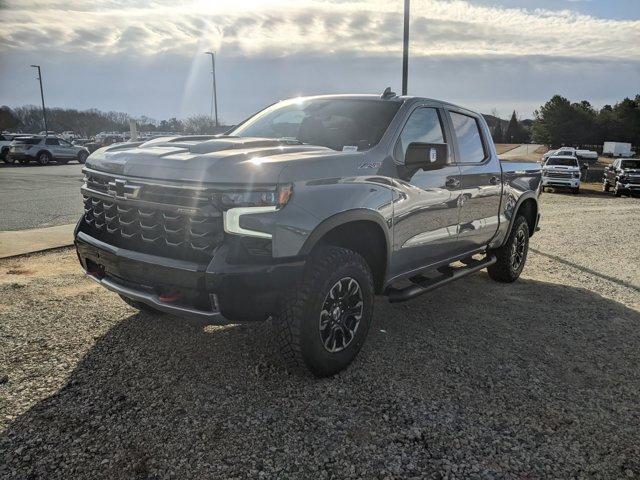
(44, 158)
(8, 158)
(324, 322)
(512, 256)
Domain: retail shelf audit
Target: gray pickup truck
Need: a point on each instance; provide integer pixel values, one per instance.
(305, 212)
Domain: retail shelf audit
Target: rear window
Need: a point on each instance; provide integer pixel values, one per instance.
(28, 141)
(469, 138)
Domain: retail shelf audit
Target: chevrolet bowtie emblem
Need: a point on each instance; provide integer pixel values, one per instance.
(123, 190)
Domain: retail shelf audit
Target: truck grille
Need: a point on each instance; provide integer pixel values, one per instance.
(154, 230)
(559, 175)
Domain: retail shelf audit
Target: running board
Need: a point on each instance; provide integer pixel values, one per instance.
(423, 285)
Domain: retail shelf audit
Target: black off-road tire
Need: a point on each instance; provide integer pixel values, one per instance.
(82, 157)
(44, 158)
(298, 322)
(504, 270)
(616, 191)
(575, 190)
(143, 307)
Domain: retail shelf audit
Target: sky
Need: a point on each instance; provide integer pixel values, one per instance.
(146, 57)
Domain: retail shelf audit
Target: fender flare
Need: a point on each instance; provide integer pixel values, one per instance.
(343, 218)
(524, 197)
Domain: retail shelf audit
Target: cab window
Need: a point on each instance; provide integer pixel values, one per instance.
(469, 138)
(423, 126)
(52, 141)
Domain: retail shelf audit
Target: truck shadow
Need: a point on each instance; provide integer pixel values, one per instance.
(536, 366)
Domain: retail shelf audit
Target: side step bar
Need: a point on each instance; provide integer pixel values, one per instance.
(423, 285)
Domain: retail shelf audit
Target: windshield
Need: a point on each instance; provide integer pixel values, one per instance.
(340, 124)
(633, 164)
(564, 162)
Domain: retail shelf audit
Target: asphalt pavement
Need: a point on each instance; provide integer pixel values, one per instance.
(35, 197)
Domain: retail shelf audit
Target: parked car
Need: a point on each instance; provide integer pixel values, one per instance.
(588, 155)
(623, 176)
(303, 213)
(46, 149)
(47, 133)
(5, 141)
(562, 170)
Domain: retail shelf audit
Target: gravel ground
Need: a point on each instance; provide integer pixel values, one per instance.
(538, 379)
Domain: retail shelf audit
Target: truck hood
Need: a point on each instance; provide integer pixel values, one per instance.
(206, 159)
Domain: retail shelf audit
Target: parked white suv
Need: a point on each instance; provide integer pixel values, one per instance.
(44, 150)
(561, 170)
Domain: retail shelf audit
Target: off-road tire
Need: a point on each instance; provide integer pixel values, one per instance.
(143, 307)
(9, 159)
(298, 322)
(44, 158)
(576, 190)
(503, 270)
(616, 191)
(82, 157)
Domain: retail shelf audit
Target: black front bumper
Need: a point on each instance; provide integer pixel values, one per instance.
(217, 292)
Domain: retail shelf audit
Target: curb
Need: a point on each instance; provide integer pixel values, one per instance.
(21, 242)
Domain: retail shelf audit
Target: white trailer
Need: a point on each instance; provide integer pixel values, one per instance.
(616, 149)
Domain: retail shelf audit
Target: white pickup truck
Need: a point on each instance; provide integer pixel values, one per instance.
(561, 170)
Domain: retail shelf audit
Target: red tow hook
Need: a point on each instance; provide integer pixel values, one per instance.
(170, 297)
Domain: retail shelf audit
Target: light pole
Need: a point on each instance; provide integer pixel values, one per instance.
(214, 98)
(405, 48)
(44, 112)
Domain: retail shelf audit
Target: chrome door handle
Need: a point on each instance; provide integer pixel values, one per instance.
(452, 182)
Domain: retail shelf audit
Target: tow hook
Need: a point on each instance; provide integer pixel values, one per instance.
(170, 297)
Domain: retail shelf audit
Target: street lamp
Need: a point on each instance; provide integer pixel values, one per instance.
(405, 48)
(214, 98)
(44, 113)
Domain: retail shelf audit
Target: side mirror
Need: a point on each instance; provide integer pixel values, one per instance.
(426, 156)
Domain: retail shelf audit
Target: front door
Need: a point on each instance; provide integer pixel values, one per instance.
(426, 214)
(481, 182)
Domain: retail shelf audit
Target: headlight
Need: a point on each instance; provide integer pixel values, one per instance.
(258, 198)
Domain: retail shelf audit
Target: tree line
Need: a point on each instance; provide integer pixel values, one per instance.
(88, 123)
(559, 122)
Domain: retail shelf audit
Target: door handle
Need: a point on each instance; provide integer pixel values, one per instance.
(452, 182)
(494, 180)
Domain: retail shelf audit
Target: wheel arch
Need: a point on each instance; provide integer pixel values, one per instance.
(528, 207)
(361, 230)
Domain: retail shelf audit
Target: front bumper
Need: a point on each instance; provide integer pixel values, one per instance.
(632, 187)
(217, 292)
(560, 182)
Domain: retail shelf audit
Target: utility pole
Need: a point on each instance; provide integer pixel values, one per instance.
(44, 112)
(214, 98)
(405, 49)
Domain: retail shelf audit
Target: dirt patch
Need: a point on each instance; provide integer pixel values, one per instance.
(505, 147)
(39, 265)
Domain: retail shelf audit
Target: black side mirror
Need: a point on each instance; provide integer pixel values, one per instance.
(426, 156)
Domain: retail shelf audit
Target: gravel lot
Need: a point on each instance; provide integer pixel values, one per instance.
(538, 379)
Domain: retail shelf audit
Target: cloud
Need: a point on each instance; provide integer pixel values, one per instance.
(278, 27)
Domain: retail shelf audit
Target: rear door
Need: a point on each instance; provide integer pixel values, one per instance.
(481, 180)
(66, 149)
(53, 145)
(426, 215)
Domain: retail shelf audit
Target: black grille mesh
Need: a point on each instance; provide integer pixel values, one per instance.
(153, 230)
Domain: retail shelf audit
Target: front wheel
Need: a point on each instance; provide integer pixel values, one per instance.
(616, 191)
(324, 322)
(512, 256)
(575, 190)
